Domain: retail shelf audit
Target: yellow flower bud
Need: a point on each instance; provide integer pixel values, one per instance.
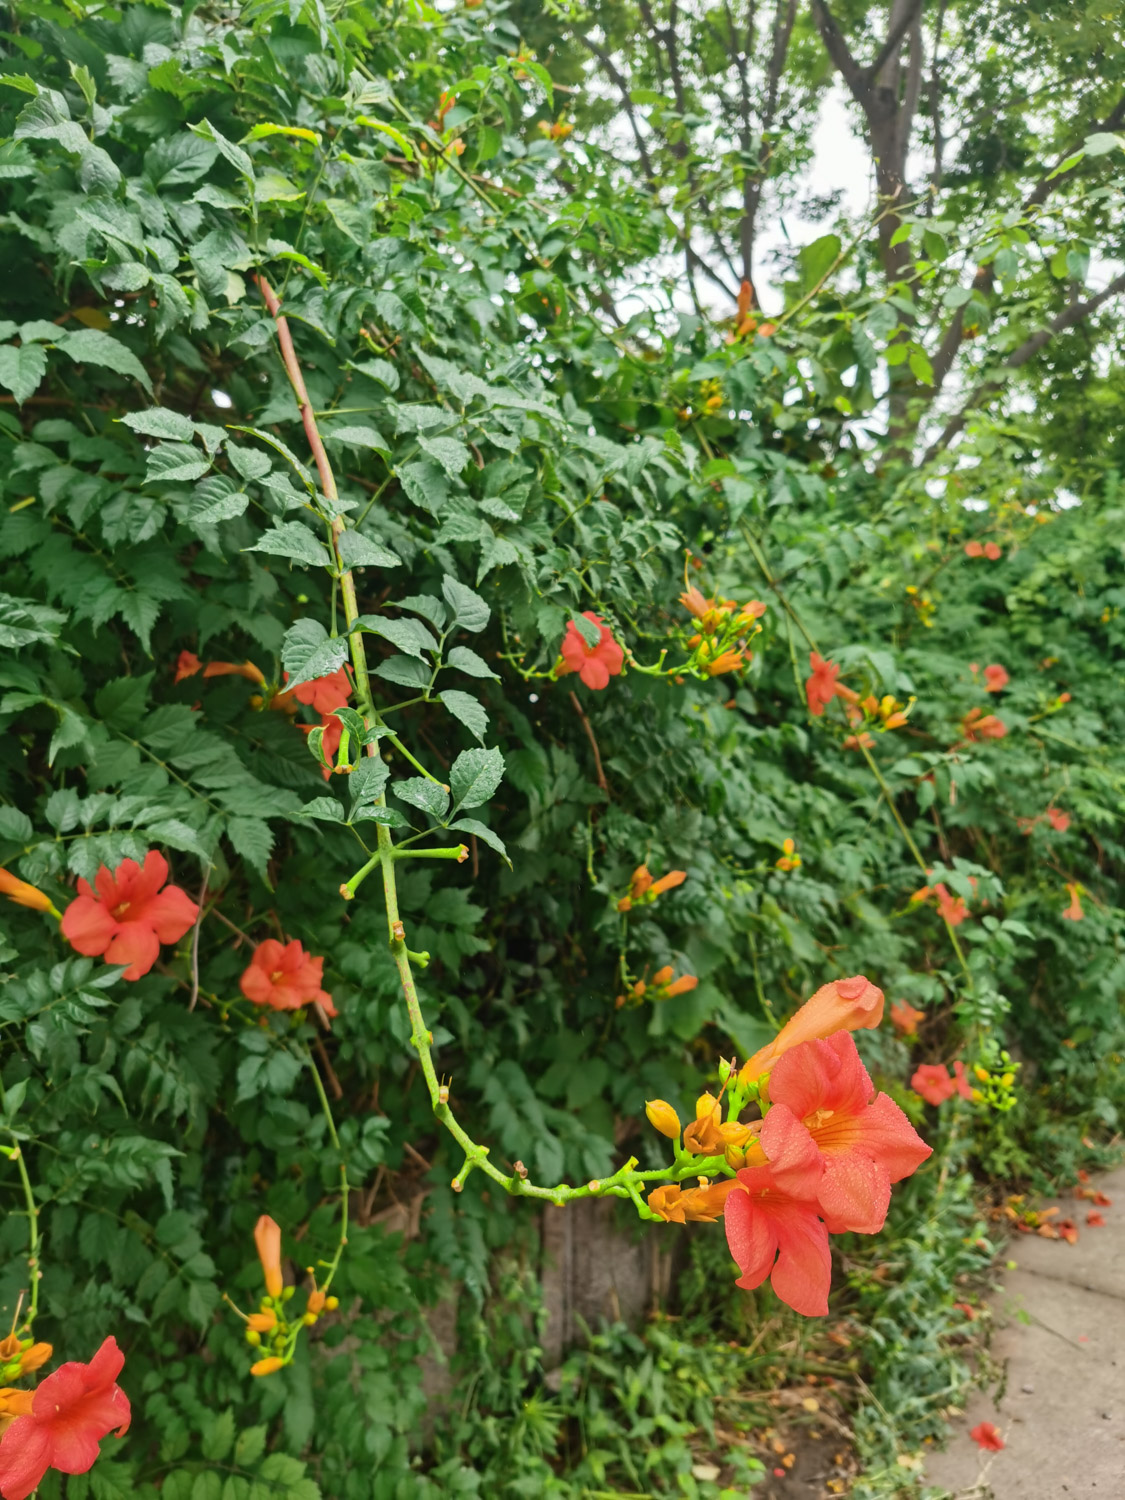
(981, 1073)
(663, 1117)
(253, 1337)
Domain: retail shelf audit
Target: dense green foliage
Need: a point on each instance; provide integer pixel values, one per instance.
(511, 451)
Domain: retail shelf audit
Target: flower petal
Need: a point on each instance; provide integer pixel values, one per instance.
(854, 1193)
(750, 1238)
(796, 1164)
(87, 926)
(803, 1274)
(170, 914)
(595, 673)
(136, 945)
(153, 874)
(25, 1456)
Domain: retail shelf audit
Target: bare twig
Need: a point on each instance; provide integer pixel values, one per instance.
(195, 938)
(588, 727)
(1069, 316)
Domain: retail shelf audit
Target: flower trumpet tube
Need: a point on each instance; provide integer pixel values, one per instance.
(22, 894)
(267, 1238)
(853, 1004)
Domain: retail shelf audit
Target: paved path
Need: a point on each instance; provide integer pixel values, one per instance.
(1062, 1412)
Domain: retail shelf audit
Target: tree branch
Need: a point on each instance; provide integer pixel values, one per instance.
(1031, 346)
(898, 30)
(837, 48)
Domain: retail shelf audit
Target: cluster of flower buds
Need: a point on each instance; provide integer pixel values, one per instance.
(790, 859)
(863, 713)
(19, 1357)
(724, 625)
(995, 1083)
(662, 986)
(270, 1327)
(923, 604)
(643, 889)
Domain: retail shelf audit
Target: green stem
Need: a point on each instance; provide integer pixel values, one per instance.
(32, 1208)
(623, 1182)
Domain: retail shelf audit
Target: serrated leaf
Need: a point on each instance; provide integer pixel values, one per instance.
(469, 609)
(406, 671)
(471, 825)
(389, 817)
(326, 809)
(410, 636)
(218, 1437)
(291, 539)
(424, 794)
(466, 708)
(22, 369)
(251, 463)
(176, 463)
(356, 551)
(358, 437)
(309, 652)
(475, 775)
(446, 451)
(469, 662)
(88, 346)
(368, 780)
(252, 838)
(287, 454)
(426, 605)
(159, 422)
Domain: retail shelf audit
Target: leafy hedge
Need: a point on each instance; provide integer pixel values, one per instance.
(508, 459)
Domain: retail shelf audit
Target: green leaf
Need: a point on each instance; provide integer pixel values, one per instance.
(469, 662)
(22, 369)
(388, 130)
(159, 422)
(15, 826)
(309, 652)
(356, 551)
(466, 708)
(176, 463)
(1102, 142)
(291, 539)
(410, 636)
(234, 154)
(253, 839)
(475, 775)
(426, 605)
(446, 451)
(218, 1436)
(406, 671)
(326, 809)
(249, 1446)
(469, 609)
(250, 462)
(816, 260)
(298, 132)
(287, 454)
(471, 825)
(357, 437)
(419, 792)
(88, 346)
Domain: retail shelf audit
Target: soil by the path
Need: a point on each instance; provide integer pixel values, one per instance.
(1060, 1345)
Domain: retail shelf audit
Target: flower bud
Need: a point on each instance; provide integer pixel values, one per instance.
(268, 1366)
(253, 1337)
(662, 1117)
(332, 1303)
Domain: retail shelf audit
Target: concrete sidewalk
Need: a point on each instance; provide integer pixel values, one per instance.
(1062, 1411)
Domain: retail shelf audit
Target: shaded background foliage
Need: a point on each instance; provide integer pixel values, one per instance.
(499, 412)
